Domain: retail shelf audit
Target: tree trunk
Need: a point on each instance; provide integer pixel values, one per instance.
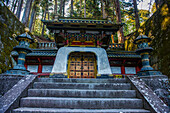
(61, 5)
(104, 11)
(32, 16)
(84, 8)
(113, 10)
(7, 2)
(15, 6)
(159, 3)
(118, 18)
(20, 3)
(33, 26)
(80, 8)
(25, 17)
(150, 6)
(71, 11)
(42, 35)
(55, 8)
(101, 7)
(48, 15)
(43, 13)
(136, 15)
(13, 2)
(107, 8)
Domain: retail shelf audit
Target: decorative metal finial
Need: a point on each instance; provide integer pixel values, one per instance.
(35, 40)
(27, 29)
(14, 35)
(140, 31)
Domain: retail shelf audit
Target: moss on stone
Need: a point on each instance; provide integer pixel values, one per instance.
(156, 27)
(9, 25)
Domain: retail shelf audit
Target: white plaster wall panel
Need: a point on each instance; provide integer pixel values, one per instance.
(116, 70)
(60, 64)
(130, 70)
(32, 68)
(47, 68)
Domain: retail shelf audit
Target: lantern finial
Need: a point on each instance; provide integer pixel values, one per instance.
(27, 29)
(140, 31)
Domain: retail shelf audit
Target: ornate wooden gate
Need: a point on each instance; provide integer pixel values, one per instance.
(82, 65)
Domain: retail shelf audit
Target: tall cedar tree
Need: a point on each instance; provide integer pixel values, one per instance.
(61, 5)
(71, 11)
(84, 8)
(46, 9)
(136, 14)
(119, 20)
(15, 6)
(33, 14)
(27, 10)
(20, 3)
(55, 8)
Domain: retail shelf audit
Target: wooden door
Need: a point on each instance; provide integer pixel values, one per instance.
(82, 65)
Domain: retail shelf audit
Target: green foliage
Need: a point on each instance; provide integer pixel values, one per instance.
(157, 27)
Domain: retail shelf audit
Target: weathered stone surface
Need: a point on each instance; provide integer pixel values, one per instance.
(71, 97)
(160, 85)
(9, 25)
(155, 103)
(82, 103)
(82, 93)
(54, 110)
(11, 99)
(7, 82)
(99, 86)
(81, 80)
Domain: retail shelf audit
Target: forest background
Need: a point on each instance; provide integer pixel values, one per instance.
(31, 12)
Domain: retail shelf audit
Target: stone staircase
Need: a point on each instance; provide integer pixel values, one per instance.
(62, 95)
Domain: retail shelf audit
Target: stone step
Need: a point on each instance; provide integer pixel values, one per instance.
(99, 86)
(82, 93)
(82, 103)
(61, 110)
(81, 80)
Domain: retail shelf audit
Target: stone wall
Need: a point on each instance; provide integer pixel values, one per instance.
(9, 25)
(7, 82)
(156, 27)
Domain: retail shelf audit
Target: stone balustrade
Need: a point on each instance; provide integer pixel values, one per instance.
(116, 46)
(46, 45)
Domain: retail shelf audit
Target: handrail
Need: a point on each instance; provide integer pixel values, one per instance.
(10, 99)
(155, 104)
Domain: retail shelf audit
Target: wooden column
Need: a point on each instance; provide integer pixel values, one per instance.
(137, 69)
(25, 66)
(39, 66)
(123, 67)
